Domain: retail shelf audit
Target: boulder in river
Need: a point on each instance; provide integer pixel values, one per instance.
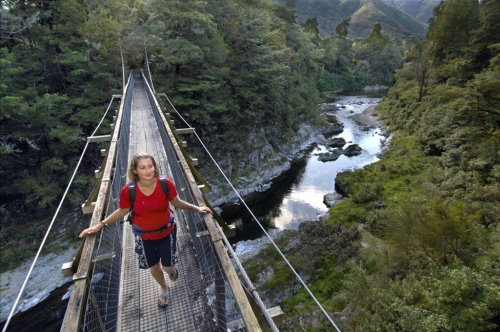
(337, 142)
(353, 150)
(330, 199)
(330, 156)
(331, 117)
(334, 129)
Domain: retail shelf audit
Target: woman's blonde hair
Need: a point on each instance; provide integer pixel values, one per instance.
(135, 161)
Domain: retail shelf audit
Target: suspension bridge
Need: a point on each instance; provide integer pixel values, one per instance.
(110, 292)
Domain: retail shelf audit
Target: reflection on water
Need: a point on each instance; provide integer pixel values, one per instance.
(297, 195)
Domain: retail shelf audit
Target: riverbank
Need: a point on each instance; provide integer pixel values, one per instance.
(46, 276)
(264, 165)
(368, 118)
(299, 196)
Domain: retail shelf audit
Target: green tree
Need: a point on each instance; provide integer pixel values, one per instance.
(451, 28)
(51, 95)
(342, 30)
(420, 66)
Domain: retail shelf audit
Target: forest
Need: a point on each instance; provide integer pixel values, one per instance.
(415, 245)
(233, 69)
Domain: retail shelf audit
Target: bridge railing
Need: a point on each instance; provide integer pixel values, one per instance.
(230, 304)
(93, 302)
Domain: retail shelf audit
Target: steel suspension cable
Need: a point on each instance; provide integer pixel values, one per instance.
(255, 218)
(52, 222)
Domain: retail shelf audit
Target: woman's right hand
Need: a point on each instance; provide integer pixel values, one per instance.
(91, 230)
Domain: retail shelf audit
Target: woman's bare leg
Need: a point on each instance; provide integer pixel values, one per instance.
(171, 271)
(157, 273)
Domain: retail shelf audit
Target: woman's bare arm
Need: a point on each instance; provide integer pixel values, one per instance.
(180, 204)
(112, 218)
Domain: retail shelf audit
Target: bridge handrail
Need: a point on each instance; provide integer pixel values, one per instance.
(77, 300)
(247, 313)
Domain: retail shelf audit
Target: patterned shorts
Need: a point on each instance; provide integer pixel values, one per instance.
(150, 252)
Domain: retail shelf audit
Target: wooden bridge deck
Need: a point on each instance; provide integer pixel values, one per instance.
(188, 309)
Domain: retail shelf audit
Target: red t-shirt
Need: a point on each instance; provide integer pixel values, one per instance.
(150, 212)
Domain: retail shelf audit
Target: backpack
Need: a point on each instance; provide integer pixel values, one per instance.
(132, 195)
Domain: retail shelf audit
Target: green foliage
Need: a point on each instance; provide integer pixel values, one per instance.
(53, 84)
(347, 211)
(429, 210)
(350, 66)
(227, 63)
(455, 298)
(450, 31)
(324, 287)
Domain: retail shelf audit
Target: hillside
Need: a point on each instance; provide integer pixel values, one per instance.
(394, 22)
(415, 245)
(421, 10)
(364, 13)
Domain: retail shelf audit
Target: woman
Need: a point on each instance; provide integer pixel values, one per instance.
(154, 229)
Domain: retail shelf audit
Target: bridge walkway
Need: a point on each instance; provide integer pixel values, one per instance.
(139, 310)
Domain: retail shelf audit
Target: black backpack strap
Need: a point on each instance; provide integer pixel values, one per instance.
(131, 196)
(164, 185)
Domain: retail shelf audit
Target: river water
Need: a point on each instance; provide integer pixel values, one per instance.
(297, 195)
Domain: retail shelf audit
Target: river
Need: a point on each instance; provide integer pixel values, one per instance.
(294, 197)
(297, 195)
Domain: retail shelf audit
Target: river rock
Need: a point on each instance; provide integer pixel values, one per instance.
(330, 199)
(364, 128)
(337, 142)
(328, 107)
(331, 117)
(330, 156)
(45, 278)
(385, 132)
(334, 129)
(353, 150)
(340, 183)
(262, 187)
